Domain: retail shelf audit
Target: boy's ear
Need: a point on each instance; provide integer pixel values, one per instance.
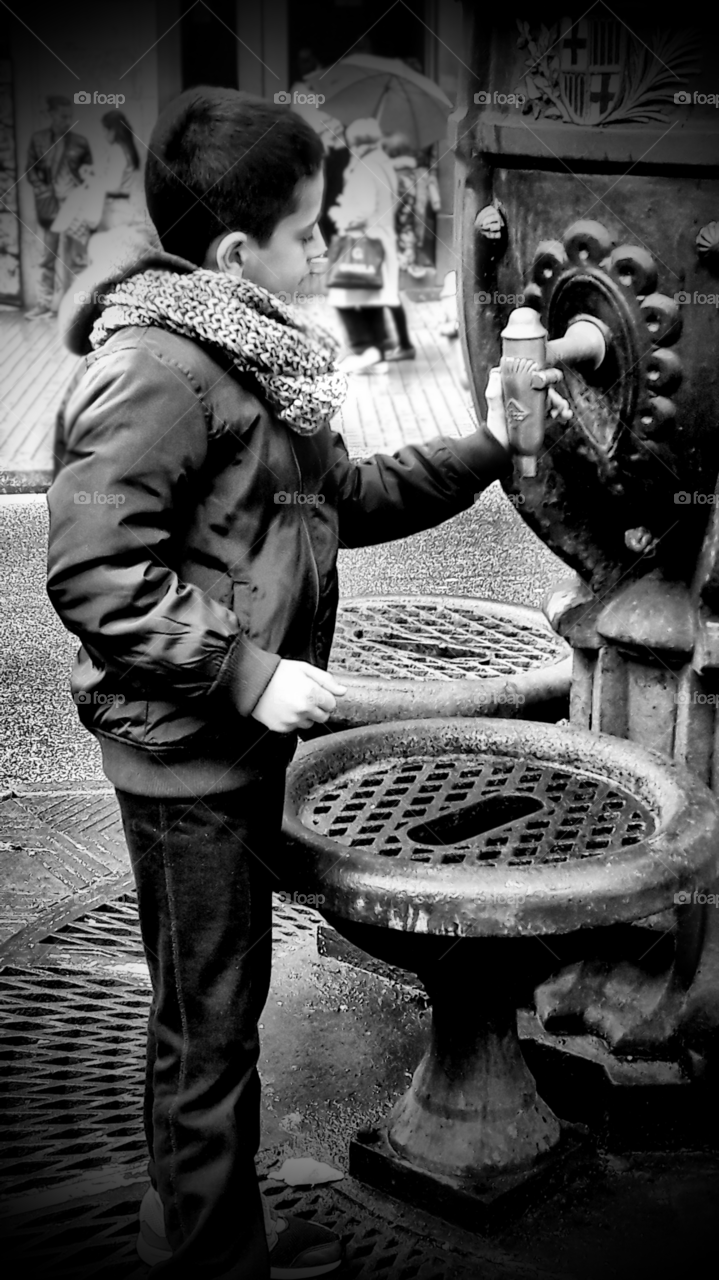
(230, 253)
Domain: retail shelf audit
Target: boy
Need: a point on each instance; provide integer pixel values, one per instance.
(204, 596)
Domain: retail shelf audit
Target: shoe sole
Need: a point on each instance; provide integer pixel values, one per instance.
(149, 1253)
(303, 1273)
(152, 1256)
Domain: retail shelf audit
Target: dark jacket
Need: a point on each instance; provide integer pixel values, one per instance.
(193, 542)
(48, 164)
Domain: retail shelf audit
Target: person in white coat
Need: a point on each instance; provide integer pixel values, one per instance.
(367, 204)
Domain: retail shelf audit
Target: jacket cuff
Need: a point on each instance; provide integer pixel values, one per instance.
(485, 458)
(246, 673)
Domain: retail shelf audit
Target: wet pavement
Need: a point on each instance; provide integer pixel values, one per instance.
(339, 1045)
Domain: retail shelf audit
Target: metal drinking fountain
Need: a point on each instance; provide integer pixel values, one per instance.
(459, 848)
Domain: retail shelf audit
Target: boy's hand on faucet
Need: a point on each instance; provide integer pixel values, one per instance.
(496, 418)
(298, 696)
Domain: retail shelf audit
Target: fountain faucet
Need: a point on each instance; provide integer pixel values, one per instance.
(526, 358)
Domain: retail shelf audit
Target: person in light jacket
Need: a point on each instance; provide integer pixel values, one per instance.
(367, 204)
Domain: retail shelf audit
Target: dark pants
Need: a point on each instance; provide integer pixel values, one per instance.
(364, 327)
(63, 258)
(204, 890)
(400, 323)
(49, 264)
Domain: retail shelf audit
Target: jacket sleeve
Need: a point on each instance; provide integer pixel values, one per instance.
(79, 155)
(136, 436)
(416, 488)
(35, 168)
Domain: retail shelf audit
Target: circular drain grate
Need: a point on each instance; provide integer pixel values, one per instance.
(440, 639)
(423, 810)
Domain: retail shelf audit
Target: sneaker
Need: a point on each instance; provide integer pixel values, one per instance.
(400, 353)
(302, 1248)
(152, 1243)
(298, 1249)
(358, 364)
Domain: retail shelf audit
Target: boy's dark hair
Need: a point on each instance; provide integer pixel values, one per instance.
(221, 161)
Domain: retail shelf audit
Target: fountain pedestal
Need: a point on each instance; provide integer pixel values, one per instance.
(463, 850)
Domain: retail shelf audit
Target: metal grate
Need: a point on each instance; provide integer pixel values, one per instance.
(85, 814)
(389, 808)
(400, 639)
(98, 1239)
(113, 928)
(72, 1045)
(72, 1049)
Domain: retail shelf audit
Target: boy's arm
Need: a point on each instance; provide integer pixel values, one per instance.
(416, 488)
(136, 437)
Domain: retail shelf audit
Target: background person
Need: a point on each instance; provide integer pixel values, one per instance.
(428, 205)
(56, 162)
(111, 194)
(404, 164)
(367, 205)
(120, 177)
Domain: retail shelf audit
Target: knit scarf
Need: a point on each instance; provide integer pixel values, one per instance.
(292, 358)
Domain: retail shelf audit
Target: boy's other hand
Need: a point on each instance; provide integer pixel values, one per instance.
(298, 696)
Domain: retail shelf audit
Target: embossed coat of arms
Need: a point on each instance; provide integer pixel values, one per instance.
(595, 71)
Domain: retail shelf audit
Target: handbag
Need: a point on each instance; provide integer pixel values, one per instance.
(356, 263)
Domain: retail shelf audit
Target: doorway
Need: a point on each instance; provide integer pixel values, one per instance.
(208, 50)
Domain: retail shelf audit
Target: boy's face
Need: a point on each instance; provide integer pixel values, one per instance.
(283, 262)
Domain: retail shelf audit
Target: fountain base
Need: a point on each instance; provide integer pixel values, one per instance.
(482, 1206)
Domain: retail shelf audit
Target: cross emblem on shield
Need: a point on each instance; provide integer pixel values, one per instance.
(592, 65)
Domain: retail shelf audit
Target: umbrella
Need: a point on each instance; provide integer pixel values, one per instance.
(402, 100)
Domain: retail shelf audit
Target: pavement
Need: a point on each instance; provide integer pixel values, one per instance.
(424, 397)
(339, 1043)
